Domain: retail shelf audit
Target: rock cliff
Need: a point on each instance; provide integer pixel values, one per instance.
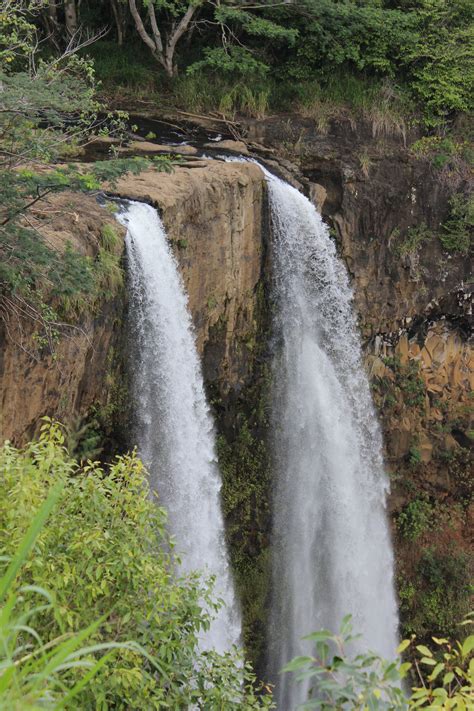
(213, 216)
(65, 373)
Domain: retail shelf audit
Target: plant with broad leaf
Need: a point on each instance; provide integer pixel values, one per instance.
(442, 678)
(445, 675)
(33, 670)
(93, 570)
(340, 681)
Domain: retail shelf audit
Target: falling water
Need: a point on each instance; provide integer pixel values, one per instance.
(174, 430)
(332, 548)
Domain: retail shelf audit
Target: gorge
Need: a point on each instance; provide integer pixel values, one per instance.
(218, 220)
(236, 372)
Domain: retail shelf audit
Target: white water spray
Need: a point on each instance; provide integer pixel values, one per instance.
(331, 546)
(174, 430)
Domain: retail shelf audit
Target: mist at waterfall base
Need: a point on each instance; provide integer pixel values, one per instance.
(331, 547)
(172, 424)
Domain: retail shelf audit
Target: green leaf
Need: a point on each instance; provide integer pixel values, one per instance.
(467, 646)
(29, 539)
(424, 650)
(297, 663)
(402, 646)
(447, 679)
(436, 671)
(428, 661)
(322, 635)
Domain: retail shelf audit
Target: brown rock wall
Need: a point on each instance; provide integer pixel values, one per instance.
(64, 377)
(213, 217)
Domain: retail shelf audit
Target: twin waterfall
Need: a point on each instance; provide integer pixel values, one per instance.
(331, 548)
(173, 426)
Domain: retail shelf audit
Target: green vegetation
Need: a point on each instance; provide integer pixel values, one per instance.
(244, 463)
(433, 558)
(413, 59)
(108, 563)
(436, 593)
(48, 111)
(415, 518)
(413, 240)
(244, 459)
(457, 231)
(442, 677)
(401, 384)
(34, 674)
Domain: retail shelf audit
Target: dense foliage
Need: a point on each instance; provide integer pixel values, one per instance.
(281, 54)
(109, 567)
(442, 677)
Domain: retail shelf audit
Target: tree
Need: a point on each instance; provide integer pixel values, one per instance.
(227, 19)
(163, 43)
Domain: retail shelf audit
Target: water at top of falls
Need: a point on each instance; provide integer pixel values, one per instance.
(173, 426)
(332, 551)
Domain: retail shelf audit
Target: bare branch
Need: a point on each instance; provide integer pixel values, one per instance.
(141, 27)
(154, 27)
(181, 28)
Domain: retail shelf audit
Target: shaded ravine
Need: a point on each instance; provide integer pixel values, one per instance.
(332, 552)
(172, 423)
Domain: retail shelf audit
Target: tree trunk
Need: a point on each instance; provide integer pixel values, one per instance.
(118, 17)
(164, 54)
(70, 12)
(53, 12)
(50, 19)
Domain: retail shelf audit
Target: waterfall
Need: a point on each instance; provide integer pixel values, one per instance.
(173, 426)
(331, 545)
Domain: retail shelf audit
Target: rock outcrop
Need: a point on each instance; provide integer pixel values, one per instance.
(213, 216)
(64, 372)
(386, 204)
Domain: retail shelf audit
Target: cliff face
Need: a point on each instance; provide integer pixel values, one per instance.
(213, 216)
(385, 206)
(66, 372)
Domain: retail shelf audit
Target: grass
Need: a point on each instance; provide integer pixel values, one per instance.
(386, 109)
(129, 68)
(130, 72)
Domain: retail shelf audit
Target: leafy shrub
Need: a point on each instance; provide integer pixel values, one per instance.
(33, 673)
(415, 518)
(106, 556)
(443, 678)
(440, 60)
(457, 231)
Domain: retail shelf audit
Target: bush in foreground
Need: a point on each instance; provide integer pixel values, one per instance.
(130, 624)
(440, 678)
